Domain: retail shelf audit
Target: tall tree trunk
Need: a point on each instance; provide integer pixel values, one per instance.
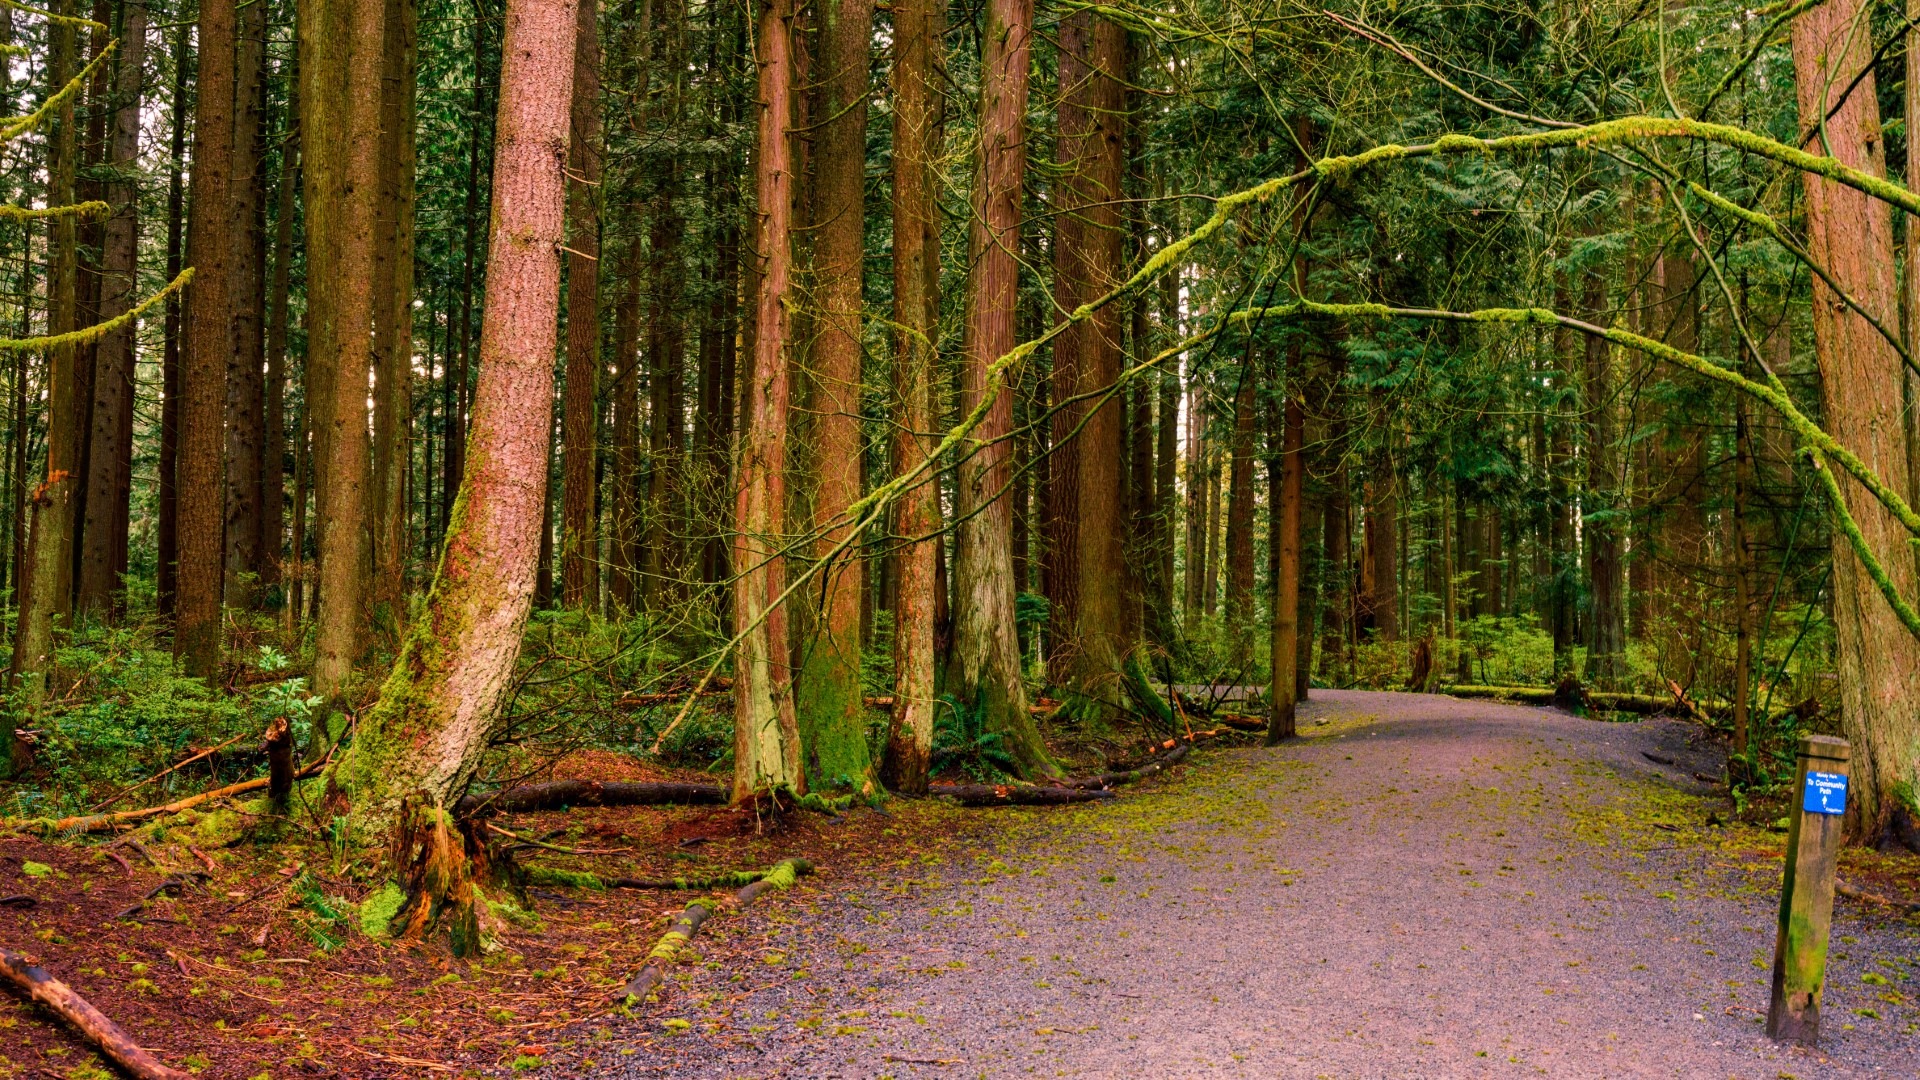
(986, 650)
(1166, 453)
(209, 334)
(623, 439)
(1284, 639)
(345, 483)
(246, 390)
(392, 357)
(832, 714)
(1195, 474)
(273, 510)
(579, 554)
(109, 464)
(1561, 559)
(456, 663)
(46, 585)
(1851, 235)
(1600, 502)
(1239, 540)
(167, 538)
(766, 734)
(1383, 544)
(917, 28)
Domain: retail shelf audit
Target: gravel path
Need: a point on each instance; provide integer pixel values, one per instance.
(1421, 887)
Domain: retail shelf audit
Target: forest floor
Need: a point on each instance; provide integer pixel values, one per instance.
(1421, 886)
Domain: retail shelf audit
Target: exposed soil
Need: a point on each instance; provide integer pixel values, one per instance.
(224, 975)
(1420, 887)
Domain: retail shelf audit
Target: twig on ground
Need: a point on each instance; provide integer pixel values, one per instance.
(102, 1033)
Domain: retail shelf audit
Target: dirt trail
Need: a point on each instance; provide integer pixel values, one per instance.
(1420, 887)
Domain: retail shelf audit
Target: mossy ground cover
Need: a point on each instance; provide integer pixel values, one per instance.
(264, 967)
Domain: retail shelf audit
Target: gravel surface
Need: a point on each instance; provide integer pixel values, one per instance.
(1420, 887)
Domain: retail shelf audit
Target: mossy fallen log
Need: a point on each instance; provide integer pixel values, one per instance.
(1644, 704)
(1015, 794)
(688, 923)
(579, 879)
(105, 1035)
(562, 794)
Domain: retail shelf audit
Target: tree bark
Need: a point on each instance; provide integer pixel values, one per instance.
(109, 465)
(246, 389)
(579, 554)
(1851, 235)
(167, 531)
(766, 735)
(273, 511)
(1239, 540)
(1284, 640)
(392, 356)
(831, 715)
(456, 663)
(1383, 544)
(986, 649)
(1600, 503)
(916, 307)
(346, 482)
(209, 341)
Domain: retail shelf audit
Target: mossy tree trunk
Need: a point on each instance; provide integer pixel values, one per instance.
(445, 692)
(986, 662)
(829, 702)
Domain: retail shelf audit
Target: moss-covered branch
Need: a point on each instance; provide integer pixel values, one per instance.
(60, 98)
(89, 335)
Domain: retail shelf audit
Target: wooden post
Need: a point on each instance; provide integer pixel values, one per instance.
(1806, 893)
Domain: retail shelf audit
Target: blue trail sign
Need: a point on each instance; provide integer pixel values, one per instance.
(1826, 793)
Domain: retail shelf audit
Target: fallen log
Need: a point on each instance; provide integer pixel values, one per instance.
(169, 770)
(1644, 704)
(1240, 721)
(1129, 776)
(547, 876)
(1854, 892)
(561, 794)
(1015, 794)
(92, 823)
(686, 924)
(105, 1035)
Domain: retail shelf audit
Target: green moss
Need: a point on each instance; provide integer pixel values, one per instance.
(379, 908)
(220, 827)
(572, 879)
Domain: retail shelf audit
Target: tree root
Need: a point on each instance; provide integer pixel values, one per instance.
(105, 1035)
(562, 794)
(685, 925)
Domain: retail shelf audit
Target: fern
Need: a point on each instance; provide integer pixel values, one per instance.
(961, 739)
